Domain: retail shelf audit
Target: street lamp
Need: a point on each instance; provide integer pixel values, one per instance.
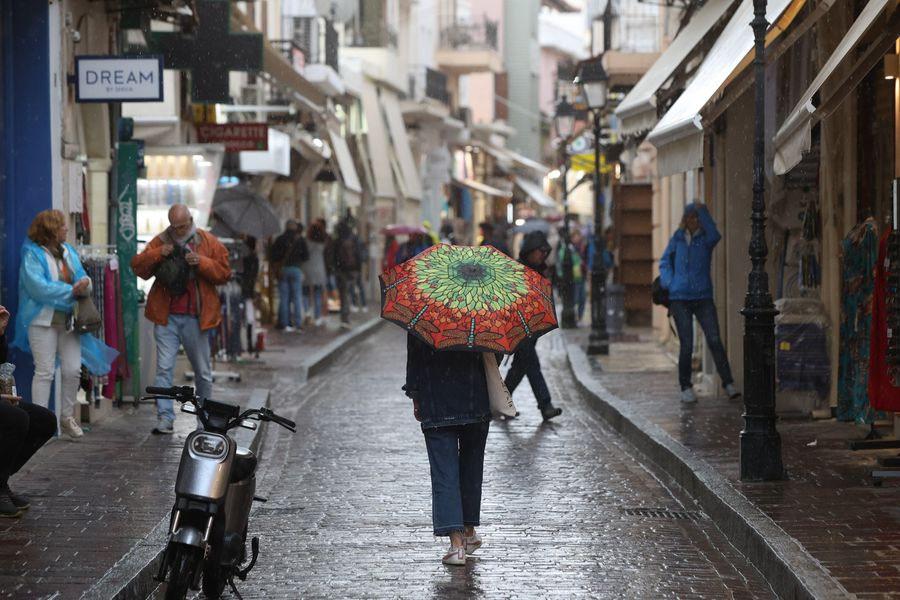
(760, 442)
(565, 125)
(594, 87)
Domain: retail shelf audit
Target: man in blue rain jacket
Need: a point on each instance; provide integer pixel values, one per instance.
(684, 271)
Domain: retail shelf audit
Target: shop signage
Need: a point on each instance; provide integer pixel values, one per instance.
(118, 79)
(237, 137)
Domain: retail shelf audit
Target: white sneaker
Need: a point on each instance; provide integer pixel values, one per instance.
(354, 309)
(455, 557)
(289, 329)
(472, 542)
(688, 396)
(732, 391)
(70, 427)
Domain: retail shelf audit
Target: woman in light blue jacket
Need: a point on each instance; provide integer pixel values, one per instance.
(684, 271)
(51, 277)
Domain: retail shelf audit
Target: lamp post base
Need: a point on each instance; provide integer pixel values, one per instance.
(598, 344)
(761, 455)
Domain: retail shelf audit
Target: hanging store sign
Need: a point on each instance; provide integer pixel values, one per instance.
(236, 137)
(118, 79)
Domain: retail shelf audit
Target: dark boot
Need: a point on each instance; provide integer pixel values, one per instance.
(8, 510)
(20, 502)
(549, 411)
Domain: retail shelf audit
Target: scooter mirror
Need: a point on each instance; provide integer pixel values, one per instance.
(189, 408)
(247, 424)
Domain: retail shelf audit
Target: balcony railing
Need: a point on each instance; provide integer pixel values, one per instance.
(436, 86)
(470, 36)
(292, 52)
(373, 35)
(318, 39)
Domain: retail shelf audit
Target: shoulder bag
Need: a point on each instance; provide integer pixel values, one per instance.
(501, 400)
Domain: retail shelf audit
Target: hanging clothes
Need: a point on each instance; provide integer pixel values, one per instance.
(860, 255)
(883, 392)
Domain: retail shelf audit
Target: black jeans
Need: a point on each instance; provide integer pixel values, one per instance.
(683, 312)
(526, 362)
(23, 429)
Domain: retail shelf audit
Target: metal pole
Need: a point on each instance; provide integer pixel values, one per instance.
(760, 442)
(598, 342)
(567, 290)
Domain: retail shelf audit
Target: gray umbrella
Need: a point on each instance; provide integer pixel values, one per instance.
(245, 211)
(532, 225)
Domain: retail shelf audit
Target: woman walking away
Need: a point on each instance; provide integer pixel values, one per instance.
(314, 269)
(51, 277)
(533, 254)
(684, 271)
(450, 399)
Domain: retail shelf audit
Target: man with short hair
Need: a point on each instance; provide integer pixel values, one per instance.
(183, 304)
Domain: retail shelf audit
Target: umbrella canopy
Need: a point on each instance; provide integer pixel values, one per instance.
(468, 298)
(245, 211)
(403, 230)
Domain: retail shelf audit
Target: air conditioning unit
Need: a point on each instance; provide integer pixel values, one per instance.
(251, 94)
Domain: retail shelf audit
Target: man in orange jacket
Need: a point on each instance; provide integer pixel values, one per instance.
(183, 305)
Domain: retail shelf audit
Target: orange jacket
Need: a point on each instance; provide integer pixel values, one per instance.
(212, 270)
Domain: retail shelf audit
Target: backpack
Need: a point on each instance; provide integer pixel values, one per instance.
(172, 273)
(348, 257)
(659, 294)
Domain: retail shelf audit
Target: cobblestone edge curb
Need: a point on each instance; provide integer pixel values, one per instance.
(132, 577)
(790, 570)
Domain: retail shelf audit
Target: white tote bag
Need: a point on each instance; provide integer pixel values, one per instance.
(501, 400)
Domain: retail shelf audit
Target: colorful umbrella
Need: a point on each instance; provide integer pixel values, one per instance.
(403, 230)
(468, 298)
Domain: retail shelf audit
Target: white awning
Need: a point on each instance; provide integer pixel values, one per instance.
(482, 187)
(535, 192)
(344, 161)
(506, 159)
(402, 150)
(794, 136)
(526, 163)
(678, 137)
(637, 111)
(378, 142)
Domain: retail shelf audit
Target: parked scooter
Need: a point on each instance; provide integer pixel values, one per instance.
(213, 494)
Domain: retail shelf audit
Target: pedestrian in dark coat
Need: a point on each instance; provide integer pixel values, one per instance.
(450, 399)
(533, 254)
(684, 271)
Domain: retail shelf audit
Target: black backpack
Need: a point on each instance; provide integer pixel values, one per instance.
(348, 254)
(173, 272)
(659, 294)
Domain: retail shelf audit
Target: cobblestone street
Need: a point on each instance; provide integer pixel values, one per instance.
(349, 510)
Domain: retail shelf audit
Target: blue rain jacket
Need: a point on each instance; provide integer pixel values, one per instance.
(37, 289)
(684, 268)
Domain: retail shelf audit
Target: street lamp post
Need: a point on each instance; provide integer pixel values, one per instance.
(594, 87)
(565, 124)
(760, 442)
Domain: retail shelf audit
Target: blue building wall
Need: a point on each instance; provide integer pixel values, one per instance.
(25, 156)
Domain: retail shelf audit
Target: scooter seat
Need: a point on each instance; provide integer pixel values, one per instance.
(244, 464)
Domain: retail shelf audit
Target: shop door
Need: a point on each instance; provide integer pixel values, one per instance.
(632, 206)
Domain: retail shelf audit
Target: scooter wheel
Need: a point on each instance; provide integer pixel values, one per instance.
(184, 564)
(214, 580)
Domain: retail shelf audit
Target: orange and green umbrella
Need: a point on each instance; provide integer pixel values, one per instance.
(468, 298)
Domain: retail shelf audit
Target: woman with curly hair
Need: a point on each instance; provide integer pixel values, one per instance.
(51, 277)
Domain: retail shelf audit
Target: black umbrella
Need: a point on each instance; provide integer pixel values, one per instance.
(244, 211)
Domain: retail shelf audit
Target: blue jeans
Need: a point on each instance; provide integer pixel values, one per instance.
(526, 362)
(290, 291)
(580, 298)
(182, 330)
(456, 456)
(313, 299)
(683, 312)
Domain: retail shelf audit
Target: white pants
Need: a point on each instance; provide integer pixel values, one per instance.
(46, 344)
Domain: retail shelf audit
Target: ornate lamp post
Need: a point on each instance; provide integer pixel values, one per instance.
(565, 125)
(594, 87)
(760, 442)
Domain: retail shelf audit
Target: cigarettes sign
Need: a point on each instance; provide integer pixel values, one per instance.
(237, 137)
(118, 79)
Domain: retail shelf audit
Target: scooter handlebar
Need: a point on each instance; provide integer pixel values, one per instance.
(182, 393)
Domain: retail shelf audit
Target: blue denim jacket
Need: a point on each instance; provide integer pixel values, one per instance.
(450, 386)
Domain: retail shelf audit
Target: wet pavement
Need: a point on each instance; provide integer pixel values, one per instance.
(94, 499)
(828, 505)
(569, 509)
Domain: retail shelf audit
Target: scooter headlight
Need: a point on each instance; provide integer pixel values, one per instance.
(211, 446)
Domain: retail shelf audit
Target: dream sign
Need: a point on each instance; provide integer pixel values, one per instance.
(118, 79)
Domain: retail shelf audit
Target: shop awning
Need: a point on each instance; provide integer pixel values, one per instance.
(344, 161)
(482, 187)
(678, 137)
(794, 136)
(526, 163)
(535, 192)
(506, 159)
(377, 141)
(402, 150)
(637, 111)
